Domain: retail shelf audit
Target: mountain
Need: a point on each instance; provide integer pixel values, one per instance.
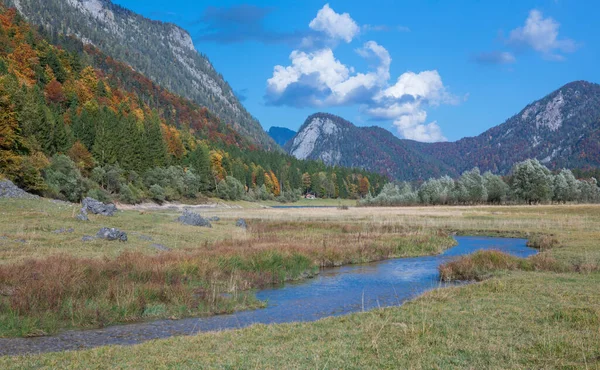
(161, 51)
(338, 142)
(561, 130)
(75, 122)
(281, 135)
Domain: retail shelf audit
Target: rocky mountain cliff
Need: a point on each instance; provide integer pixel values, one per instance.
(338, 142)
(561, 130)
(162, 51)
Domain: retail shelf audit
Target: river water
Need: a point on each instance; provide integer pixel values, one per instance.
(335, 291)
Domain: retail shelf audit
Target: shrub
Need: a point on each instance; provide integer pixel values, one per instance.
(230, 189)
(157, 193)
(64, 179)
(542, 242)
(99, 194)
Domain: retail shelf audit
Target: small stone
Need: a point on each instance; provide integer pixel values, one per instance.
(241, 223)
(63, 230)
(214, 219)
(193, 219)
(161, 247)
(145, 237)
(87, 238)
(111, 234)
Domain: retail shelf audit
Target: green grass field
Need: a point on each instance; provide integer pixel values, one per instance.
(512, 319)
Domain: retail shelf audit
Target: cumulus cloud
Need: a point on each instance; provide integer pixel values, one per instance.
(541, 35)
(495, 57)
(334, 25)
(318, 79)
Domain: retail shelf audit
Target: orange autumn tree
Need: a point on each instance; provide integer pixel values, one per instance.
(276, 188)
(54, 92)
(9, 136)
(363, 186)
(173, 140)
(82, 157)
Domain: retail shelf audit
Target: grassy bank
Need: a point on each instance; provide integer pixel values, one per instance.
(50, 281)
(518, 318)
(525, 320)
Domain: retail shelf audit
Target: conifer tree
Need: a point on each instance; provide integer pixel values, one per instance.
(156, 152)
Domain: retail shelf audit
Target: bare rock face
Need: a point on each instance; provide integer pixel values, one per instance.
(111, 234)
(193, 219)
(98, 208)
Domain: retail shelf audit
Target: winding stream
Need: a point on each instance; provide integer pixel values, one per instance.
(335, 291)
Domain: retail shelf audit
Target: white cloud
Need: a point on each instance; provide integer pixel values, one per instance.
(428, 133)
(330, 81)
(335, 25)
(317, 79)
(322, 64)
(541, 34)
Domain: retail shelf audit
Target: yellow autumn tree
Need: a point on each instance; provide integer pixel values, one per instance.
(276, 186)
(173, 139)
(216, 166)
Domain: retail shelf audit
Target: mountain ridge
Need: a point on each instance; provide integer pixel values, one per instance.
(164, 52)
(561, 129)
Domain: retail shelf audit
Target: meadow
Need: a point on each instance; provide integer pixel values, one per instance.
(543, 312)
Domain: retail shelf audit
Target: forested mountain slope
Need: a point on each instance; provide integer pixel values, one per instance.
(161, 51)
(560, 130)
(69, 130)
(336, 141)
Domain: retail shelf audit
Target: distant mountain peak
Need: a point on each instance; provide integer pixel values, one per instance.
(281, 135)
(319, 127)
(561, 130)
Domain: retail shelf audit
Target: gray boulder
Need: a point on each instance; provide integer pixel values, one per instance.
(112, 234)
(10, 190)
(241, 223)
(193, 219)
(98, 208)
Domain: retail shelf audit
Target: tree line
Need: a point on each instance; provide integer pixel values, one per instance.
(68, 130)
(529, 182)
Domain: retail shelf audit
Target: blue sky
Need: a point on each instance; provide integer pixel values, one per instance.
(425, 70)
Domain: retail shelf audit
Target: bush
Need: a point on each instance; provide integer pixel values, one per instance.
(64, 179)
(157, 193)
(129, 194)
(230, 189)
(99, 194)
